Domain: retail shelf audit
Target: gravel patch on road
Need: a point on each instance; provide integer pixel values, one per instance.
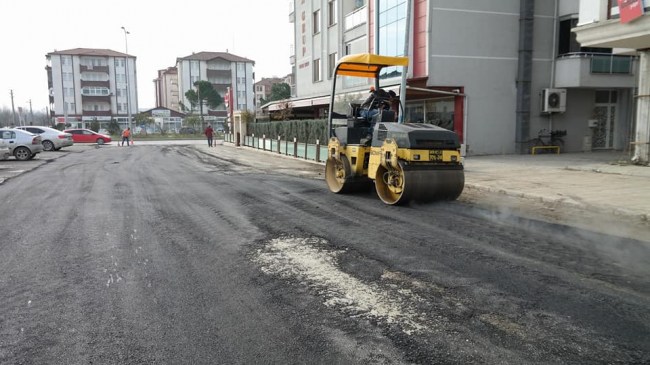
(311, 262)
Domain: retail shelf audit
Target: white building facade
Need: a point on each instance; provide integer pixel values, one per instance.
(626, 29)
(92, 84)
(486, 70)
(225, 72)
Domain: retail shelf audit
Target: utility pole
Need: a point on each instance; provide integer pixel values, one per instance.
(126, 69)
(31, 113)
(13, 110)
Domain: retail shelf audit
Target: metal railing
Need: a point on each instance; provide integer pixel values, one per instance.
(308, 151)
(605, 63)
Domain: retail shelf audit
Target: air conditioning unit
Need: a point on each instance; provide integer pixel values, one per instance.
(553, 100)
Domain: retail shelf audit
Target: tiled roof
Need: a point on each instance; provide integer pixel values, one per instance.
(90, 52)
(208, 56)
(268, 81)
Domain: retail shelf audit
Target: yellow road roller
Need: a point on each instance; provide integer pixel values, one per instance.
(406, 161)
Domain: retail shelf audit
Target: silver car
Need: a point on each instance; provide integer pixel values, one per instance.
(22, 144)
(53, 139)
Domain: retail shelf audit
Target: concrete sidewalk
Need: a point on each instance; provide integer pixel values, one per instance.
(603, 181)
(596, 181)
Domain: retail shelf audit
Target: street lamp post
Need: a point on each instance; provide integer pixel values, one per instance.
(126, 69)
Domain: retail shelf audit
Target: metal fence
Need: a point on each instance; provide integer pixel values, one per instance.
(308, 151)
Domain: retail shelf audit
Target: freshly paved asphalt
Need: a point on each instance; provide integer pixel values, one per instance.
(604, 181)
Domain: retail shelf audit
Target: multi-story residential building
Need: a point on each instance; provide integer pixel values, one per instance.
(166, 85)
(263, 88)
(626, 29)
(92, 84)
(225, 72)
(496, 72)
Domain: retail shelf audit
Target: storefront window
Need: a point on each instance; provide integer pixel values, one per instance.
(439, 111)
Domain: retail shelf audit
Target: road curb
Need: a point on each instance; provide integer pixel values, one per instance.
(560, 201)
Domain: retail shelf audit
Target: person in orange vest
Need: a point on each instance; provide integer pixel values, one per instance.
(126, 134)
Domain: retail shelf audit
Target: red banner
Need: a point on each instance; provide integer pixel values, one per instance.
(630, 10)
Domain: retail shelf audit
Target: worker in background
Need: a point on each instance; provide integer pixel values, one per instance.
(126, 135)
(208, 133)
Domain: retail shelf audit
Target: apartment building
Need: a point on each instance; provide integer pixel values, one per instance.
(166, 85)
(626, 29)
(263, 89)
(88, 84)
(225, 72)
(495, 72)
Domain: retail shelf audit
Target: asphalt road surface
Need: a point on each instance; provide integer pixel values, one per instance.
(170, 255)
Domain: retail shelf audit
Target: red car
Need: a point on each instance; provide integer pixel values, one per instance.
(80, 135)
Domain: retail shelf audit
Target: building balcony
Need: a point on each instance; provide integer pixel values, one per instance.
(97, 113)
(595, 70)
(106, 84)
(356, 18)
(83, 68)
(96, 98)
(614, 34)
(216, 74)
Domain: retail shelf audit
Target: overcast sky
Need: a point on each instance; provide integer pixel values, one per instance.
(160, 31)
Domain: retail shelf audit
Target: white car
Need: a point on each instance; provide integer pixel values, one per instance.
(22, 144)
(53, 139)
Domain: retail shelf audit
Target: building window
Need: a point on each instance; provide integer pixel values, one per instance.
(392, 27)
(331, 12)
(316, 19)
(95, 91)
(567, 40)
(67, 76)
(317, 70)
(66, 60)
(331, 63)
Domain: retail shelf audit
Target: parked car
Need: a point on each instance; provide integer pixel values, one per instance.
(81, 135)
(187, 130)
(53, 139)
(4, 150)
(22, 144)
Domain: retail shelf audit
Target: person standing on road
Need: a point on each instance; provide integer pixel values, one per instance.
(208, 133)
(126, 134)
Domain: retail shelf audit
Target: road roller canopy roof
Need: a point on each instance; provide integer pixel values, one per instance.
(367, 64)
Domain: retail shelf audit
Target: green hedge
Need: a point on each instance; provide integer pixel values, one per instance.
(304, 130)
